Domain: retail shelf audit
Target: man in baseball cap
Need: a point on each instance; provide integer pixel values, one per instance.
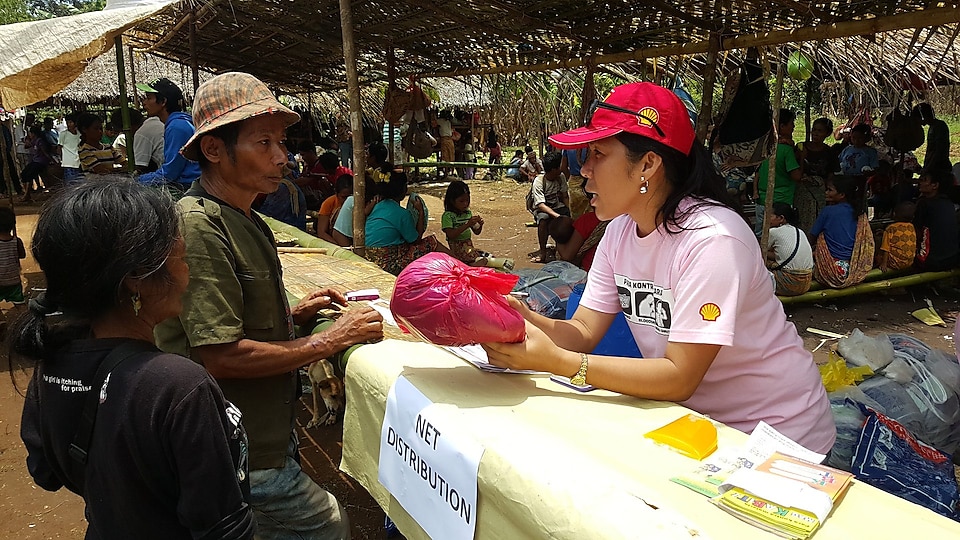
(235, 318)
(164, 100)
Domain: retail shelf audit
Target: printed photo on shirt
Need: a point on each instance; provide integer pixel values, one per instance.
(645, 303)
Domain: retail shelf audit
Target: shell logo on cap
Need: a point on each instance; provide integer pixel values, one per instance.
(648, 116)
(710, 312)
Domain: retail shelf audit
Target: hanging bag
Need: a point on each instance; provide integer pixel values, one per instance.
(744, 134)
(904, 132)
(417, 143)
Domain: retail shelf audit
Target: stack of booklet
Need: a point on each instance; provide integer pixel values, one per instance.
(784, 495)
(772, 482)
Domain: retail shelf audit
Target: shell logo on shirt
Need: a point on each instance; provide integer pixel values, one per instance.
(710, 311)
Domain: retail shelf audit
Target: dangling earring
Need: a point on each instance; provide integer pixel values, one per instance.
(643, 185)
(137, 304)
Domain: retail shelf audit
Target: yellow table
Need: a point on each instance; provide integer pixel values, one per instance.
(560, 464)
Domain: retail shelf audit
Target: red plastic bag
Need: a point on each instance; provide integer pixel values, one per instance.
(449, 303)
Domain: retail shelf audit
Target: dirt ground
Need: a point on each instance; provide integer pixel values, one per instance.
(28, 512)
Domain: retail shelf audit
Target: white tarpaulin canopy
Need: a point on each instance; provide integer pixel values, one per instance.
(40, 58)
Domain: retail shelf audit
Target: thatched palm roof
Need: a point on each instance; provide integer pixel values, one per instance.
(99, 78)
(296, 44)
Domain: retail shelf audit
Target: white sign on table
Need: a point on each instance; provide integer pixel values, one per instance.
(430, 470)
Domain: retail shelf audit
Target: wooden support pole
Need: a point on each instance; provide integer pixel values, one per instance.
(9, 168)
(194, 63)
(133, 78)
(356, 124)
(124, 106)
(392, 87)
(589, 91)
(772, 162)
(709, 78)
(808, 87)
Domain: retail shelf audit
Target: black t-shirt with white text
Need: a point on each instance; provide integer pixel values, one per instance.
(168, 455)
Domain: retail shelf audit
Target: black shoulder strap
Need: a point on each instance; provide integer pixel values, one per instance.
(81, 441)
(792, 255)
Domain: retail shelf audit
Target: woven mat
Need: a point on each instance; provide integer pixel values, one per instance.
(305, 272)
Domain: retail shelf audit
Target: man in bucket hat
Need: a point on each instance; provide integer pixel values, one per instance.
(164, 100)
(235, 318)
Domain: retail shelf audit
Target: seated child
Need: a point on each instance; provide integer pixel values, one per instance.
(515, 162)
(577, 240)
(898, 246)
(844, 243)
(11, 251)
(936, 223)
(858, 159)
(459, 223)
(789, 255)
(548, 199)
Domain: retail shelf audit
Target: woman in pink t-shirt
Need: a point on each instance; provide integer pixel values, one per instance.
(686, 270)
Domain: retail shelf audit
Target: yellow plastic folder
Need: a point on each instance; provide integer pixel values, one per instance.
(692, 435)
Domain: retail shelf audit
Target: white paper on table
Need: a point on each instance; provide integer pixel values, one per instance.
(722, 464)
(765, 440)
(781, 491)
(478, 357)
(383, 308)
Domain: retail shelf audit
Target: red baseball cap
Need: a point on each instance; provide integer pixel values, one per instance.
(642, 108)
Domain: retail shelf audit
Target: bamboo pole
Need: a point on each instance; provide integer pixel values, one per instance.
(589, 90)
(133, 78)
(124, 106)
(194, 63)
(8, 167)
(866, 288)
(709, 78)
(772, 160)
(875, 25)
(356, 124)
(391, 87)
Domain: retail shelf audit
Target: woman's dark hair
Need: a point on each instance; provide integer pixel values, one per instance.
(88, 239)
(371, 188)
(36, 130)
(87, 120)
(826, 122)
(787, 212)
(518, 154)
(689, 176)
(329, 160)
(345, 181)
(456, 189)
(378, 152)
(850, 187)
(307, 146)
(395, 188)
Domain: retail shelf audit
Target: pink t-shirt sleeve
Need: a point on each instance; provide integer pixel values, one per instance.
(709, 291)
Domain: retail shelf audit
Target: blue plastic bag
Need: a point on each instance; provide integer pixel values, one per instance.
(618, 341)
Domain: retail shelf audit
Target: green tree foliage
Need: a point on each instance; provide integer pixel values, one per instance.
(13, 11)
(47, 9)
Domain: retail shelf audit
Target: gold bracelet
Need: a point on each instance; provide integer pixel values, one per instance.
(580, 378)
